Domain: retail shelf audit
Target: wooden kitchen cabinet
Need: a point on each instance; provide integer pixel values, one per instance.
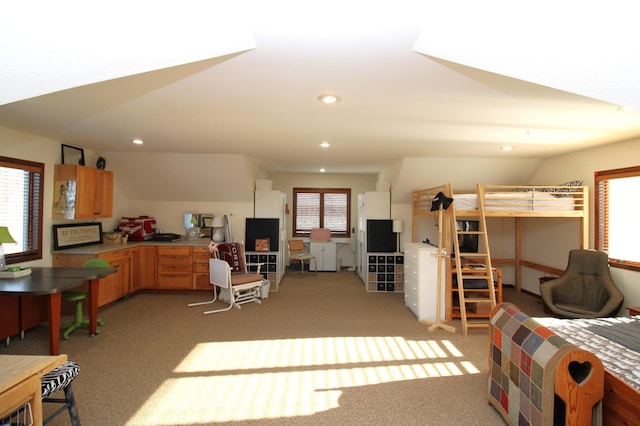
(175, 268)
(143, 267)
(201, 256)
(82, 192)
(115, 286)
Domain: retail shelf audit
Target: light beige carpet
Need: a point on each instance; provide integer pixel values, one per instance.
(319, 351)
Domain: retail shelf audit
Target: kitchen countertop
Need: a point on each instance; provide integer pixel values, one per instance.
(104, 248)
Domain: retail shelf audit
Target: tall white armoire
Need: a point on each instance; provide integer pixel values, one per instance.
(371, 205)
(271, 204)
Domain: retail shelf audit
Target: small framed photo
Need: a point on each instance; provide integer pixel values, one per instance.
(262, 244)
(72, 155)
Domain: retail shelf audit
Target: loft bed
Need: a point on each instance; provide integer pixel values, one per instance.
(508, 201)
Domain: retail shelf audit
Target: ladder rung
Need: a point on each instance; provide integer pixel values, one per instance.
(474, 255)
(477, 300)
(477, 324)
(477, 277)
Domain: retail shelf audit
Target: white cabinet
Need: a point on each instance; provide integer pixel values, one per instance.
(325, 253)
(371, 205)
(420, 281)
(385, 272)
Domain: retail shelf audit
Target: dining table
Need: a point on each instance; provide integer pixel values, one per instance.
(50, 282)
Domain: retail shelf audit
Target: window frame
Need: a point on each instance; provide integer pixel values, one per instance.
(321, 191)
(35, 209)
(601, 179)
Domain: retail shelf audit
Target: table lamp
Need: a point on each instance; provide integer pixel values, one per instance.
(218, 229)
(5, 237)
(397, 228)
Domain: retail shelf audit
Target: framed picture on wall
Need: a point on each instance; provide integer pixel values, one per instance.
(72, 155)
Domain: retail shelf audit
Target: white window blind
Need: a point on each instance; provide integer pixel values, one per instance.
(321, 208)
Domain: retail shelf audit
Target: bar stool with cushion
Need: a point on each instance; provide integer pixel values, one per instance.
(60, 378)
(78, 296)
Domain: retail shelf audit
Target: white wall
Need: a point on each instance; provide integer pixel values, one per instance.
(24, 146)
(358, 183)
(582, 165)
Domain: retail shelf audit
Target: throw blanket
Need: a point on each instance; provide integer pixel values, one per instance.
(529, 365)
(601, 337)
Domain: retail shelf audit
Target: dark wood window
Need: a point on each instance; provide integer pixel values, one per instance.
(617, 234)
(321, 208)
(21, 186)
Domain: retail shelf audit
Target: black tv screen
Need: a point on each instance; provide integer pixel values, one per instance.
(261, 228)
(380, 236)
(468, 243)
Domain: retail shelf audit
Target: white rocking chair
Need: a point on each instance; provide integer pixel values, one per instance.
(235, 289)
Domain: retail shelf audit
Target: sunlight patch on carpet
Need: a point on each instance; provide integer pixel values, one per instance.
(240, 381)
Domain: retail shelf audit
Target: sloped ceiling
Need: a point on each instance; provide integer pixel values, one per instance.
(421, 80)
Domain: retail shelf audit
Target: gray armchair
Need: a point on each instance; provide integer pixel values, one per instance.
(585, 289)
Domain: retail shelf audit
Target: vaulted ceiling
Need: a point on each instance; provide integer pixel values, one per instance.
(415, 78)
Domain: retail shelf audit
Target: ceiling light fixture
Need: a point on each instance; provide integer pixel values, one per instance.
(329, 99)
(322, 170)
(325, 144)
(138, 141)
(506, 148)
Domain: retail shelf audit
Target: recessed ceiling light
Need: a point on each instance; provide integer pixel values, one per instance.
(329, 99)
(325, 144)
(138, 141)
(322, 170)
(506, 148)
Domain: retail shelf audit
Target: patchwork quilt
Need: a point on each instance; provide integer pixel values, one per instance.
(523, 356)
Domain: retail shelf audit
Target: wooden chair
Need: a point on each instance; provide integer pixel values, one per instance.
(298, 253)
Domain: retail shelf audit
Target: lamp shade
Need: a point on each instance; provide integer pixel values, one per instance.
(5, 236)
(218, 222)
(397, 225)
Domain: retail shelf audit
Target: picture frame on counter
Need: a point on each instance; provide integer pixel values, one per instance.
(76, 235)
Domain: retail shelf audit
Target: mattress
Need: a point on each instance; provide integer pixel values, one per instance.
(538, 201)
(615, 351)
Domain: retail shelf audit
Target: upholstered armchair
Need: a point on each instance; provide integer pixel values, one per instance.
(585, 289)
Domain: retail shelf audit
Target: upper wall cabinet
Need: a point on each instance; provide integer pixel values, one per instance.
(82, 192)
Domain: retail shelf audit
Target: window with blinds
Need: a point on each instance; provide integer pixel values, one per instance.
(321, 208)
(617, 234)
(21, 186)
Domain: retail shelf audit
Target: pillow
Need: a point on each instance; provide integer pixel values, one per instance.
(566, 190)
(233, 254)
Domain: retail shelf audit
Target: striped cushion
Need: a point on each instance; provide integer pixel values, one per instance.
(59, 378)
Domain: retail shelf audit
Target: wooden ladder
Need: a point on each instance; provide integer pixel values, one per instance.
(476, 267)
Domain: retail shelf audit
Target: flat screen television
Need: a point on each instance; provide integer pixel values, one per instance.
(261, 228)
(468, 243)
(380, 236)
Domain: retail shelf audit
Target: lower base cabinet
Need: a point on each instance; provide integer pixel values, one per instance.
(201, 256)
(115, 286)
(175, 268)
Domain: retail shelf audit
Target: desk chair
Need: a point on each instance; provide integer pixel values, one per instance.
(297, 253)
(78, 296)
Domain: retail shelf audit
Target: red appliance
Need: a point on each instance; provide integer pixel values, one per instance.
(139, 228)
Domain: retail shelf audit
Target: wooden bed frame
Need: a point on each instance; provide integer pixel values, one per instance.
(512, 205)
